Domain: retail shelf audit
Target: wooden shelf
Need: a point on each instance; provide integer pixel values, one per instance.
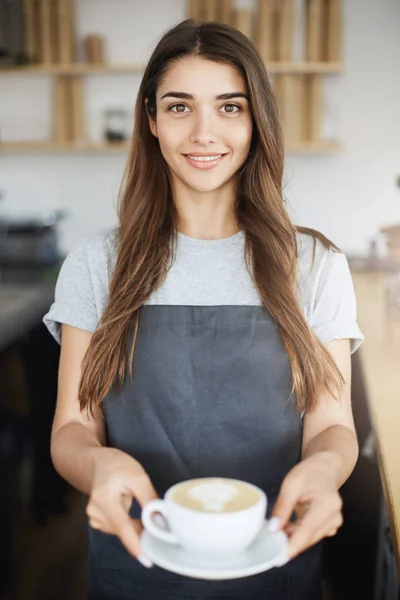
(297, 85)
(52, 147)
(322, 68)
(71, 69)
(49, 147)
(110, 69)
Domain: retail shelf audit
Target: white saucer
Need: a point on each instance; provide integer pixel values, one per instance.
(267, 551)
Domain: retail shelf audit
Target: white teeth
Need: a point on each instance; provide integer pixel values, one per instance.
(204, 158)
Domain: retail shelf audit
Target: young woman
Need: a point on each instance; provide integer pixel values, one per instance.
(206, 335)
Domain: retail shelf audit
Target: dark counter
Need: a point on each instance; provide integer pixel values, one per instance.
(22, 306)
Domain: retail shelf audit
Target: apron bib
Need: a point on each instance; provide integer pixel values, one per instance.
(210, 396)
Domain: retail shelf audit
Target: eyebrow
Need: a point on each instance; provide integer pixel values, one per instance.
(185, 96)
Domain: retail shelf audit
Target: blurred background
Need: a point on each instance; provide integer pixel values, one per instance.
(69, 74)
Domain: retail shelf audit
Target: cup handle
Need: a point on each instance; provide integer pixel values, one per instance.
(149, 523)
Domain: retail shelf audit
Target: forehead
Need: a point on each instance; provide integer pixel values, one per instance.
(201, 77)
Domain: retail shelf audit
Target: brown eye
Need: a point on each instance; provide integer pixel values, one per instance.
(178, 108)
(230, 108)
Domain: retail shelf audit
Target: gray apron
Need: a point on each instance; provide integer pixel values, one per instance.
(210, 396)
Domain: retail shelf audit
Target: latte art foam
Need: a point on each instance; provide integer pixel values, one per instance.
(215, 495)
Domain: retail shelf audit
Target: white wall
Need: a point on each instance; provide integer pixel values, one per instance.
(347, 196)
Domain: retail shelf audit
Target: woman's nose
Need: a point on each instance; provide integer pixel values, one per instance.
(204, 130)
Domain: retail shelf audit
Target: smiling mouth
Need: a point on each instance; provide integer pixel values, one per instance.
(204, 161)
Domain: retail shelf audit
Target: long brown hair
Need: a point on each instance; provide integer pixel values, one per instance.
(147, 224)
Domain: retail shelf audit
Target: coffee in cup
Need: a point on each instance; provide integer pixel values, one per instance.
(215, 495)
(216, 516)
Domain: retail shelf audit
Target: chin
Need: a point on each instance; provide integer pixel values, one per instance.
(203, 189)
(207, 186)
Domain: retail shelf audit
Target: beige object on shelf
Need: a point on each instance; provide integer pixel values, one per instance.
(298, 31)
(299, 101)
(285, 30)
(313, 103)
(60, 110)
(65, 22)
(278, 86)
(46, 48)
(49, 31)
(68, 112)
(94, 49)
(31, 30)
(334, 30)
(72, 28)
(244, 21)
(77, 103)
(264, 29)
(225, 11)
(211, 10)
(290, 97)
(391, 230)
(392, 238)
(195, 10)
(314, 29)
(54, 35)
(296, 120)
(394, 250)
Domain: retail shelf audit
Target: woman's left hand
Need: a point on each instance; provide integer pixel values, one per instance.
(310, 490)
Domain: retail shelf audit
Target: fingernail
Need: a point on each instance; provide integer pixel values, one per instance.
(146, 562)
(274, 524)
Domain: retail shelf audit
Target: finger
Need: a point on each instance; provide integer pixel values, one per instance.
(330, 526)
(95, 524)
(329, 529)
(289, 529)
(126, 502)
(332, 530)
(138, 525)
(129, 535)
(94, 517)
(90, 509)
(292, 526)
(311, 530)
(286, 501)
(144, 490)
(305, 530)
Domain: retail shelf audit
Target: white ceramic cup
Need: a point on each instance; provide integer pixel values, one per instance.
(216, 534)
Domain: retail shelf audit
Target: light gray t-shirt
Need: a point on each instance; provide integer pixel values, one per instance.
(207, 273)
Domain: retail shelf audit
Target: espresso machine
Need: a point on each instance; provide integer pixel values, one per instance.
(29, 247)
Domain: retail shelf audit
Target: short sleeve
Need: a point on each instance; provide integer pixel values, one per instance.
(80, 289)
(334, 314)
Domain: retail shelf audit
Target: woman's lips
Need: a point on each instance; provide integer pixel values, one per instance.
(204, 164)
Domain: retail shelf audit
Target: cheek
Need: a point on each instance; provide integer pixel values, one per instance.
(169, 136)
(241, 137)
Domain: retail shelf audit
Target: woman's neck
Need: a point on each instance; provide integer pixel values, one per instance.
(207, 216)
(208, 230)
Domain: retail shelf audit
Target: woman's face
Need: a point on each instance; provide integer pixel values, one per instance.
(203, 124)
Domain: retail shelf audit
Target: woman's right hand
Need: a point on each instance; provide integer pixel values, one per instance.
(117, 479)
